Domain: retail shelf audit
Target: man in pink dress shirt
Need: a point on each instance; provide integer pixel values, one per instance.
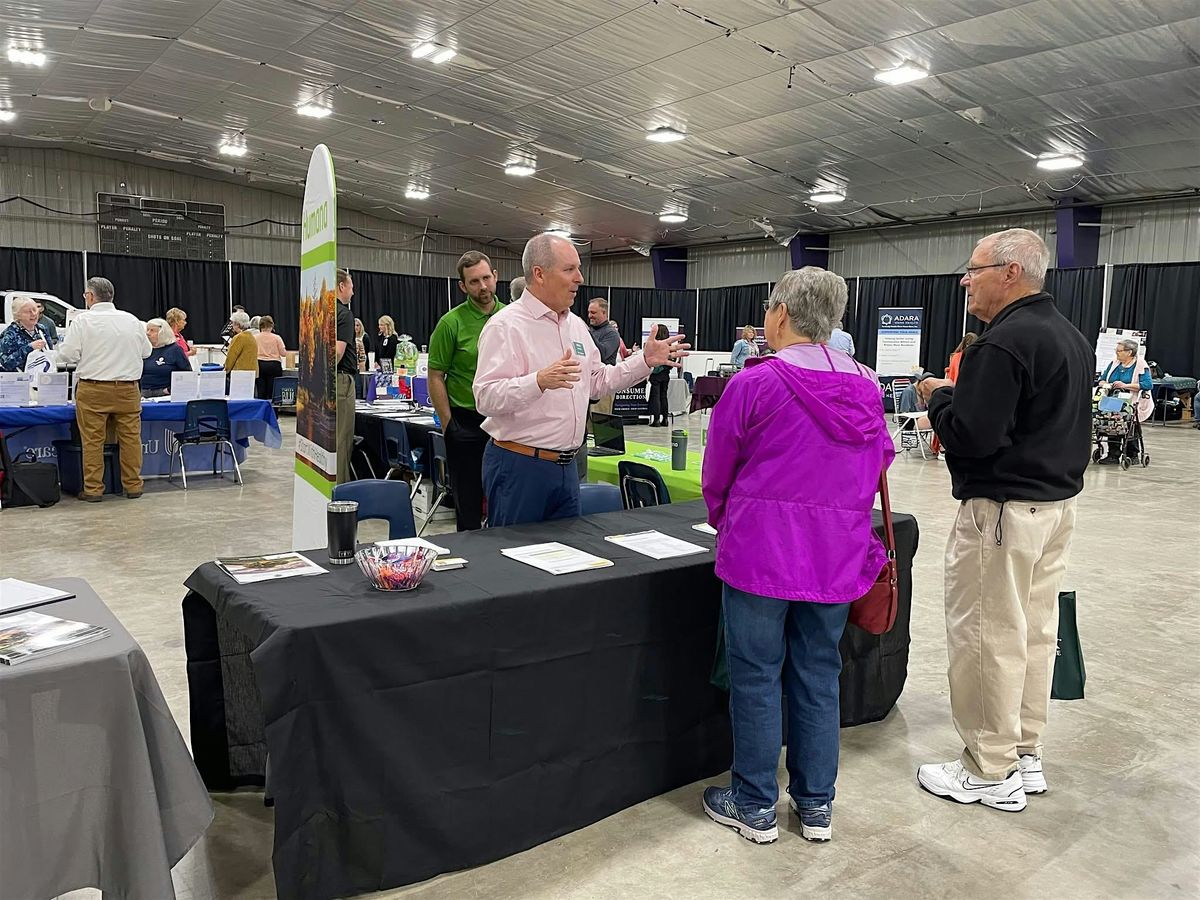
(538, 368)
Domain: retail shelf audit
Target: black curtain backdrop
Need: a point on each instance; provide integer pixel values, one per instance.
(630, 305)
(270, 291)
(415, 302)
(57, 272)
(725, 310)
(149, 287)
(1079, 295)
(941, 301)
(1162, 299)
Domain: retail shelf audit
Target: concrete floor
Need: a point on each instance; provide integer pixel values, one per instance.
(1122, 818)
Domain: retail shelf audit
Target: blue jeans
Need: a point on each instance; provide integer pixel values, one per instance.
(770, 640)
(522, 489)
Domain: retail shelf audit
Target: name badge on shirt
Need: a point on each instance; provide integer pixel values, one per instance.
(578, 348)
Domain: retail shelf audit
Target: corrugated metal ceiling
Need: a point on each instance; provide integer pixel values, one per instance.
(776, 96)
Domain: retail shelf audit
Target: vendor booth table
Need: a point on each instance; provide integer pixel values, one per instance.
(492, 709)
(97, 788)
(37, 427)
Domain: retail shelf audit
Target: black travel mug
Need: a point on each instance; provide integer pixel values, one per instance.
(342, 520)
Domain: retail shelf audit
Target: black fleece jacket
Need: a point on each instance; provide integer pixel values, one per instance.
(1018, 424)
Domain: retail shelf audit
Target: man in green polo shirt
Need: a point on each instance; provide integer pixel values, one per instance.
(453, 356)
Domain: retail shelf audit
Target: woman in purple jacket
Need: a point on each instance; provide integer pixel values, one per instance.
(791, 468)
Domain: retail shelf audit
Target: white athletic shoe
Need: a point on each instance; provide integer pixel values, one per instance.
(952, 781)
(1032, 776)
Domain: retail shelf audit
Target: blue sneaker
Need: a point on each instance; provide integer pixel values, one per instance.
(761, 827)
(816, 824)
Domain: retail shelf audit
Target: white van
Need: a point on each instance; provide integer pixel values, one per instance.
(59, 312)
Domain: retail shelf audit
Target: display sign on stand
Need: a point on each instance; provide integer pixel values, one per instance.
(898, 350)
(647, 324)
(316, 406)
(1107, 341)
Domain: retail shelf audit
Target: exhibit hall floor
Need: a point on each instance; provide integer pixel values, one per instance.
(1122, 818)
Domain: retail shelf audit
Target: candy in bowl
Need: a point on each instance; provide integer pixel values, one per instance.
(396, 567)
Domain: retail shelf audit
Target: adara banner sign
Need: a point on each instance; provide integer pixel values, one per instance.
(898, 350)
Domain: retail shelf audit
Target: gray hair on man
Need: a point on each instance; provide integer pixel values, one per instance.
(102, 288)
(540, 251)
(1026, 249)
(516, 287)
(241, 320)
(165, 334)
(815, 300)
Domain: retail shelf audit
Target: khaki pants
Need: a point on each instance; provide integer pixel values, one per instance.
(345, 425)
(1004, 565)
(95, 403)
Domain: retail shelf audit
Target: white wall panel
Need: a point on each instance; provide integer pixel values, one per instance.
(744, 262)
(925, 249)
(68, 181)
(620, 270)
(1151, 232)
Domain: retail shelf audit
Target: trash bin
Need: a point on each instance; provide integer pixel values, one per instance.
(70, 467)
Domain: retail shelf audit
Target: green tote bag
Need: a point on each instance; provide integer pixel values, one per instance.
(1069, 673)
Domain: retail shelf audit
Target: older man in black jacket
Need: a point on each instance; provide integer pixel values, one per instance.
(1017, 432)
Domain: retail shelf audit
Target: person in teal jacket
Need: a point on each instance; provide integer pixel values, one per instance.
(1127, 370)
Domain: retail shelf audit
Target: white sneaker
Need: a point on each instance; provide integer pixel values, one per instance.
(1032, 776)
(952, 781)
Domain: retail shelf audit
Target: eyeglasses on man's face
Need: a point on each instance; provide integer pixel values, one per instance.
(972, 271)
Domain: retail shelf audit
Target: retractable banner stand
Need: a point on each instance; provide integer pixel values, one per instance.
(898, 350)
(316, 406)
(647, 324)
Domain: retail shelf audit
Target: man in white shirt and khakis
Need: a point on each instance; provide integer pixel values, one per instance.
(108, 346)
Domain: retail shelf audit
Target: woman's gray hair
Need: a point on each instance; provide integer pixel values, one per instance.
(516, 287)
(1024, 247)
(1131, 346)
(254, 322)
(165, 334)
(241, 320)
(815, 300)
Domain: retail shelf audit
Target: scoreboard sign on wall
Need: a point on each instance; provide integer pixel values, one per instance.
(145, 226)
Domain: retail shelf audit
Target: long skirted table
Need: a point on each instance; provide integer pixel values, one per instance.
(36, 428)
(96, 785)
(494, 708)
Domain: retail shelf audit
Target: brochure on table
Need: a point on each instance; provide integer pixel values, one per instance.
(51, 388)
(29, 635)
(241, 385)
(212, 385)
(185, 386)
(655, 544)
(252, 569)
(16, 594)
(15, 388)
(556, 558)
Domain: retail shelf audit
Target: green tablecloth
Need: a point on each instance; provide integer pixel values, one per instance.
(683, 485)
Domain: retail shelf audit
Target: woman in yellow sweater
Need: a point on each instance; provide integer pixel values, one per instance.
(243, 349)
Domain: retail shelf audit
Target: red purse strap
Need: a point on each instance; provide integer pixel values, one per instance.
(886, 503)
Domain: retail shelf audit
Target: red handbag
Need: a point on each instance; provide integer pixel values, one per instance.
(875, 611)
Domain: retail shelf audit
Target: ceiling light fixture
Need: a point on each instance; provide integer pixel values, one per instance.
(672, 218)
(558, 232)
(416, 193)
(23, 57)
(664, 134)
(1058, 162)
(423, 49)
(827, 197)
(7, 115)
(444, 55)
(314, 110)
(520, 169)
(231, 149)
(902, 74)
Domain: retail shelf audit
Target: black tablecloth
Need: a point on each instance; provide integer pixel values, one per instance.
(373, 429)
(492, 709)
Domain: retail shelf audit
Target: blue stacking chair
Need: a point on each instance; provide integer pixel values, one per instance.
(641, 485)
(439, 473)
(283, 392)
(379, 499)
(205, 422)
(599, 498)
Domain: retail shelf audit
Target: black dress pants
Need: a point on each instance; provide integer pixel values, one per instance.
(465, 443)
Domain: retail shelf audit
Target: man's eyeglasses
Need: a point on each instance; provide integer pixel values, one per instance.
(971, 270)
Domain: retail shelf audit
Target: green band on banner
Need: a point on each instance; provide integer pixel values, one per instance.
(325, 253)
(316, 479)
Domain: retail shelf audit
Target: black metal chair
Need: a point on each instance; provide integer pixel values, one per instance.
(205, 422)
(439, 474)
(641, 485)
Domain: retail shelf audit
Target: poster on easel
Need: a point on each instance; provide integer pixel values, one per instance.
(1107, 341)
(898, 350)
(316, 406)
